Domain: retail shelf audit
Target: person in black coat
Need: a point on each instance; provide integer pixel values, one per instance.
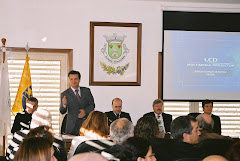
(164, 119)
(207, 106)
(117, 112)
(23, 119)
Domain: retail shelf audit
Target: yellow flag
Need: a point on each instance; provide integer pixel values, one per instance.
(24, 89)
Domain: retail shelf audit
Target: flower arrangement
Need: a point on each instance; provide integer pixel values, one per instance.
(112, 70)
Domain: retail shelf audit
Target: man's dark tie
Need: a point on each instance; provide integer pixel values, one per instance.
(78, 97)
(118, 115)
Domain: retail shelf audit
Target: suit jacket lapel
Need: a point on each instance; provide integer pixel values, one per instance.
(72, 94)
(164, 120)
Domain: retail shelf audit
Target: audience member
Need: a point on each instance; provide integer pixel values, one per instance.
(117, 112)
(136, 149)
(233, 153)
(206, 125)
(147, 127)
(215, 158)
(23, 119)
(77, 101)
(207, 106)
(40, 117)
(120, 130)
(164, 120)
(95, 127)
(185, 130)
(88, 157)
(35, 149)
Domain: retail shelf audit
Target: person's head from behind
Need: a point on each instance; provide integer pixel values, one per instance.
(41, 117)
(185, 128)
(205, 122)
(31, 105)
(35, 149)
(207, 106)
(215, 158)
(117, 105)
(74, 79)
(136, 149)
(41, 131)
(233, 153)
(147, 127)
(120, 130)
(96, 123)
(158, 106)
(88, 157)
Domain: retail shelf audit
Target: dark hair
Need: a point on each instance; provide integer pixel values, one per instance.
(33, 99)
(34, 149)
(157, 101)
(116, 99)
(133, 148)
(75, 72)
(233, 153)
(97, 122)
(147, 127)
(181, 125)
(206, 102)
(41, 131)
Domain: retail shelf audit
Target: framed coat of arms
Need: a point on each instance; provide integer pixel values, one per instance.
(115, 54)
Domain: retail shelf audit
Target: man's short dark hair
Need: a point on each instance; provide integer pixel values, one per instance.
(75, 72)
(181, 125)
(133, 148)
(206, 102)
(33, 99)
(157, 101)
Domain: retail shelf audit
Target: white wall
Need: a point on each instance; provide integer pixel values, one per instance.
(66, 25)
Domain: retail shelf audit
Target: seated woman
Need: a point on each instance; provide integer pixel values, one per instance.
(35, 148)
(147, 127)
(95, 127)
(136, 149)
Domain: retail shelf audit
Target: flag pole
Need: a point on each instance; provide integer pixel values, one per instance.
(4, 54)
(27, 48)
(4, 49)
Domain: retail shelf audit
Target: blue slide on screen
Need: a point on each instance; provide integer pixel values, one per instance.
(201, 65)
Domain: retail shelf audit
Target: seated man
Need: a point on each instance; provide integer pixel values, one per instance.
(207, 106)
(120, 130)
(185, 130)
(116, 113)
(23, 119)
(206, 125)
(164, 120)
(40, 117)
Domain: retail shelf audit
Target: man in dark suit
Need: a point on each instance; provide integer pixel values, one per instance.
(164, 120)
(207, 106)
(117, 113)
(77, 101)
